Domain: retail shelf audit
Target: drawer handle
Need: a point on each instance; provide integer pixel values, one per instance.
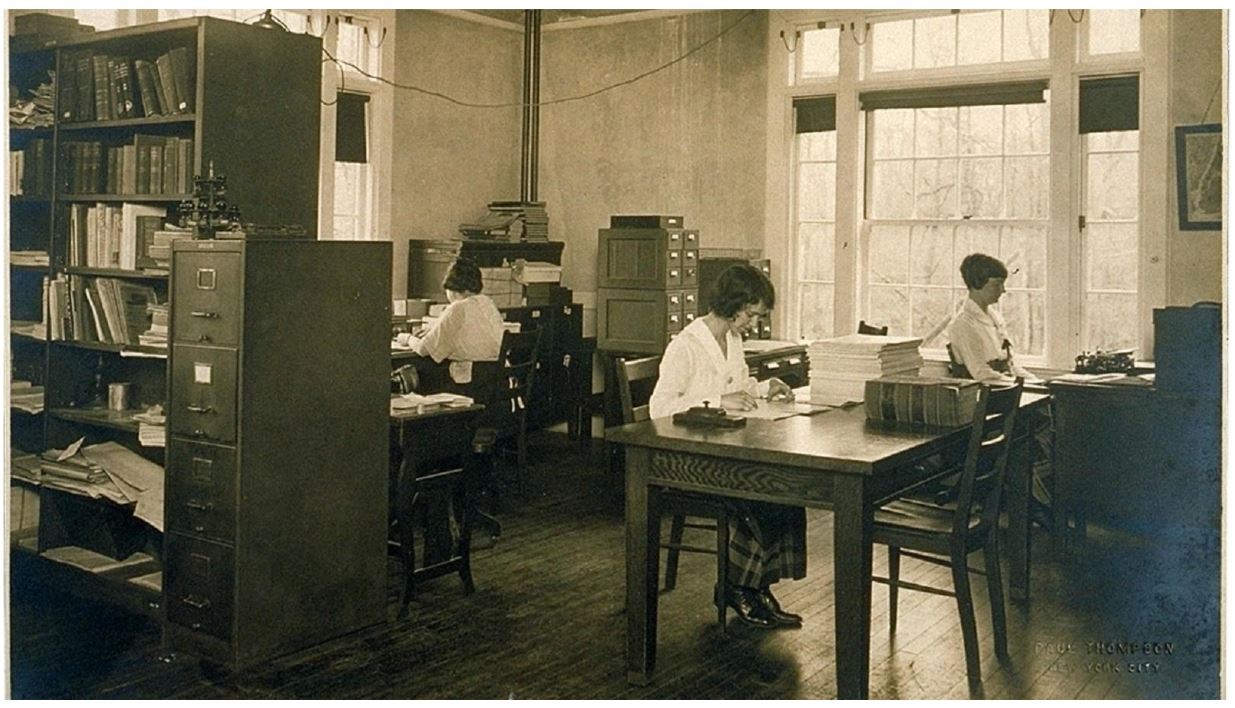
(198, 506)
(199, 409)
(199, 603)
(205, 314)
(773, 364)
(794, 361)
(204, 338)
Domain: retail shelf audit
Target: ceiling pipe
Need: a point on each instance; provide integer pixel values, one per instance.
(528, 172)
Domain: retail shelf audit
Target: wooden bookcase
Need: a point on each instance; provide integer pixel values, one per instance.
(252, 114)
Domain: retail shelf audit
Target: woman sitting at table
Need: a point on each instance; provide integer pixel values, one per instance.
(468, 330)
(704, 362)
(977, 336)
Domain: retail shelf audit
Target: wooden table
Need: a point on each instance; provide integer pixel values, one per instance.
(834, 460)
(431, 448)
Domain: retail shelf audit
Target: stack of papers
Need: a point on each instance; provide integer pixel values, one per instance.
(25, 396)
(126, 477)
(152, 427)
(841, 366)
(416, 402)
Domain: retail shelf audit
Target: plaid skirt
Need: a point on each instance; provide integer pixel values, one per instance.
(767, 543)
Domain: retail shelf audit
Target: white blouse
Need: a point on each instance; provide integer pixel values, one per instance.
(977, 339)
(468, 330)
(694, 370)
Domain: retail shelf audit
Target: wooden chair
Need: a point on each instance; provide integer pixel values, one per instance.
(505, 413)
(948, 536)
(864, 328)
(683, 506)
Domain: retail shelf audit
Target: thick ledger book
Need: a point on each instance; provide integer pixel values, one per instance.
(925, 400)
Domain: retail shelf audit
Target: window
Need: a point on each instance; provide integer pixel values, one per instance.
(357, 43)
(818, 53)
(815, 196)
(1112, 32)
(958, 39)
(946, 181)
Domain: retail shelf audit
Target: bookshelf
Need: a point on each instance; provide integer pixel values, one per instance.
(112, 152)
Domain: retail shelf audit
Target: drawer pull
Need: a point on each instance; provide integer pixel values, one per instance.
(794, 361)
(205, 314)
(199, 409)
(198, 506)
(773, 364)
(204, 338)
(199, 603)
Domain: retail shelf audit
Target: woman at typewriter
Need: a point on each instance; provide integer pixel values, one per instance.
(705, 363)
(468, 330)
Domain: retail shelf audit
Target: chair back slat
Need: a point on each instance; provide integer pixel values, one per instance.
(512, 384)
(646, 371)
(986, 458)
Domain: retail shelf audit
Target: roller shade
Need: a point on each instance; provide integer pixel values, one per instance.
(814, 115)
(1108, 105)
(971, 95)
(350, 137)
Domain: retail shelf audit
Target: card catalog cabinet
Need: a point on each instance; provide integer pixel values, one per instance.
(276, 498)
(648, 287)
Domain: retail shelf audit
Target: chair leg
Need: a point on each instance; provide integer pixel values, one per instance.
(522, 458)
(676, 528)
(894, 574)
(994, 585)
(964, 603)
(404, 510)
(463, 503)
(722, 567)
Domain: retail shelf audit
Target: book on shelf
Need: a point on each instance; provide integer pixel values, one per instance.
(146, 79)
(123, 100)
(182, 71)
(169, 99)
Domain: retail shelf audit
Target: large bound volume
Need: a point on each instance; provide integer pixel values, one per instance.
(622, 221)
(925, 400)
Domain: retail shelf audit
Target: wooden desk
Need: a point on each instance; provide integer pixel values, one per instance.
(834, 460)
(430, 450)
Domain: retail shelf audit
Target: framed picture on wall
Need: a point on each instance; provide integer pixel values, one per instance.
(1198, 166)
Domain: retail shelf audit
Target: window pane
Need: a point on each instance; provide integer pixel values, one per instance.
(1112, 186)
(1024, 313)
(981, 130)
(1112, 256)
(935, 132)
(1110, 321)
(817, 146)
(981, 187)
(815, 310)
(934, 42)
(893, 133)
(344, 228)
(890, 306)
(1026, 184)
(889, 259)
(1112, 31)
(972, 238)
(346, 189)
(817, 191)
(815, 246)
(893, 45)
(1116, 140)
(931, 307)
(978, 37)
(1023, 251)
(820, 53)
(935, 189)
(1025, 34)
(931, 262)
(892, 189)
(1028, 129)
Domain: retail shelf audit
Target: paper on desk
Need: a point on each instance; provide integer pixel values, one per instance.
(416, 400)
(776, 410)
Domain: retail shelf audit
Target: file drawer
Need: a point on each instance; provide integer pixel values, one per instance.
(639, 258)
(206, 288)
(203, 393)
(201, 490)
(674, 300)
(690, 303)
(690, 276)
(198, 580)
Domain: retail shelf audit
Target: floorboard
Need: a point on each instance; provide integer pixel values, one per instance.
(547, 621)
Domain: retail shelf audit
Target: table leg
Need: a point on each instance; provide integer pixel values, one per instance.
(642, 564)
(852, 550)
(1019, 497)
(405, 490)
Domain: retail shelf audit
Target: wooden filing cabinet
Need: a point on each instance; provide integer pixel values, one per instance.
(276, 490)
(648, 287)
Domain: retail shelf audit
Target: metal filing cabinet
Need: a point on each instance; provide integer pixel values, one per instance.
(648, 278)
(278, 426)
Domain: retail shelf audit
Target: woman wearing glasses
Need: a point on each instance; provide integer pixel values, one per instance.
(704, 362)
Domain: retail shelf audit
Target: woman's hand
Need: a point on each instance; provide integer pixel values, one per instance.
(779, 391)
(738, 401)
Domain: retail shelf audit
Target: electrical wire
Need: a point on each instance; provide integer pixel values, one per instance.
(567, 99)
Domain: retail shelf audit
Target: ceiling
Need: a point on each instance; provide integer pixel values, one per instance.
(550, 16)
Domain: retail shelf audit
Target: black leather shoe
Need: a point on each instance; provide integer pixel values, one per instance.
(746, 605)
(773, 609)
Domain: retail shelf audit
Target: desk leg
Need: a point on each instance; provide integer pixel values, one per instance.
(852, 549)
(642, 563)
(405, 491)
(1020, 497)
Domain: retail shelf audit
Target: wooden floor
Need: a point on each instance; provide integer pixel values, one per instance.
(547, 621)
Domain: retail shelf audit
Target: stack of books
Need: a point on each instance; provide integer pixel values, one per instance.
(25, 396)
(37, 110)
(156, 336)
(841, 366)
(96, 86)
(28, 258)
(75, 468)
(512, 221)
(152, 427)
(160, 249)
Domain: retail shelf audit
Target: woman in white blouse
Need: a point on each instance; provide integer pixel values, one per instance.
(704, 362)
(469, 329)
(977, 335)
